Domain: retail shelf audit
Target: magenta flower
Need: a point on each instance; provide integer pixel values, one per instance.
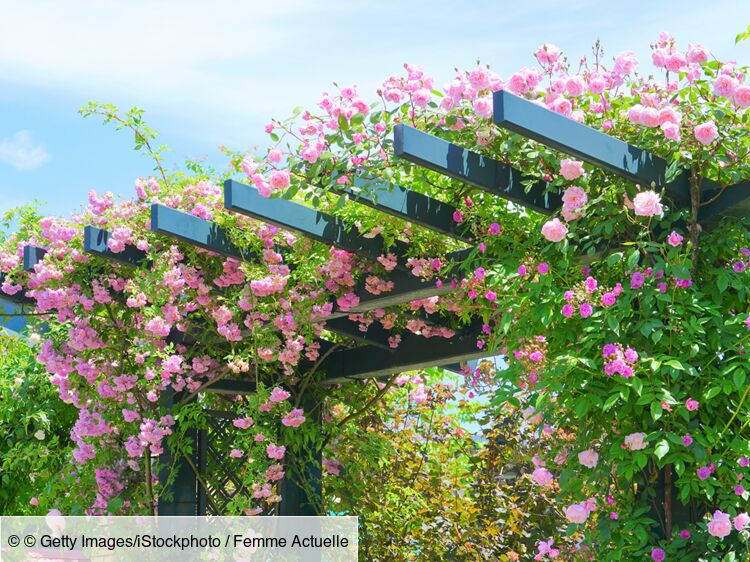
(691, 404)
(658, 555)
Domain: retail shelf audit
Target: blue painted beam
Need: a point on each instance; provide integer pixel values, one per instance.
(595, 147)
(304, 220)
(32, 255)
(415, 352)
(195, 231)
(474, 169)
(375, 335)
(409, 205)
(18, 298)
(734, 201)
(95, 242)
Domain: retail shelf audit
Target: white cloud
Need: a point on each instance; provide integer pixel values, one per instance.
(19, 151)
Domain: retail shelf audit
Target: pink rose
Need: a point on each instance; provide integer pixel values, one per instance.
(588, 458)
(725, 85)
(574, 198)
(741, 96)
(275, 451)
(675, 239)
(676, 62)
(575, 86)
(576, 513)
(647, 204)
(741, 521)
(571, 169)
(554, 230)
(706, 133)
(697, 54)
(635, 441)
(483, 106)
(671, 131)
(543, 477)
(720, 525)
(278, 395)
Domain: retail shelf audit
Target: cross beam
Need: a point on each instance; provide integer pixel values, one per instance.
(196, 232)
(409, 205)
(304, 220)
(95, 242)
(415, 352)
(474, 169)
(31, 256)
(595, 147)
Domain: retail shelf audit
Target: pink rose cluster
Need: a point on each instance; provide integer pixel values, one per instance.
(721, 523)
(619, 361)
(728, 86)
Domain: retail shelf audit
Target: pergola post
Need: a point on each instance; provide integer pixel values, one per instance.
(184, 488)
(297, 500)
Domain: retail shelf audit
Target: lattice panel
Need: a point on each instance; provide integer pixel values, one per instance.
(218, 469)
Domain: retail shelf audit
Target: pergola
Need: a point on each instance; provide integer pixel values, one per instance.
(372, 357)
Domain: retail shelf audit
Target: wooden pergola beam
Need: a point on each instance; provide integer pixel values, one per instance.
(479, 171)
(32, 255)
(408, 205)
(95, 242)
(580, 141)
(303, 220)
(415, 352)
(196, 232)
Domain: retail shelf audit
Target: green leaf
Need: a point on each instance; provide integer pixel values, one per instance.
(739, 379)
(662, 448)
(633, 258)
(712, 392)
(656, 410)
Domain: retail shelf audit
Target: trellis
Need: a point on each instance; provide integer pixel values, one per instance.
(372, 358)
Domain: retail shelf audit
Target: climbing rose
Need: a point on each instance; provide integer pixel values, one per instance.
(634, 441)
(741, 97)
(647, 204)
(574, 198)
(576, 513)
(588, 458)
(278, 395)
(543, 477)
(571, 169)
(674, 239)
(554, 230)
(741, 521)
(294, 418)
(720, 525)
(275, 451)
(706, 133)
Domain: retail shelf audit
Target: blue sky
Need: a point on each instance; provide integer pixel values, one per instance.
(212, 73)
